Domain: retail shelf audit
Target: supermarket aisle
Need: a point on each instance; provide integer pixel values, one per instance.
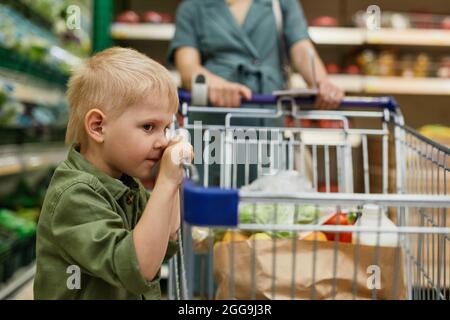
(37, 51)
(408, 58)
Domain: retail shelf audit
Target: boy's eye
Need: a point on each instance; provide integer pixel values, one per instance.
(147, 127)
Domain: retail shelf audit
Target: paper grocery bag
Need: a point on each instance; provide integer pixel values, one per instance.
(352, 262)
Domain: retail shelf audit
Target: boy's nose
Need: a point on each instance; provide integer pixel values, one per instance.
(161, 142)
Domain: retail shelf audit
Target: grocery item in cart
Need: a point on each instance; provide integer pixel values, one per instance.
(282, 182)
(374, 216)
(265, 270)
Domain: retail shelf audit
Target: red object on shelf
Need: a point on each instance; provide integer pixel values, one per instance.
(333, 124)
(156, 17)
(333, 188)
(352, 69)
(289, 122)
(128, 16)
(445, 24)
(304, 123)
(332, 68)
(423, 20)
(324, 21)
(330, 124)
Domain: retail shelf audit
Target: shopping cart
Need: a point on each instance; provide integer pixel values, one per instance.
(369, 155)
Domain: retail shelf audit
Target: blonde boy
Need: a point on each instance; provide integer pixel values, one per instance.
(100, 234)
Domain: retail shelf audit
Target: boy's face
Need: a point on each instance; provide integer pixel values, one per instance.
(136, 139)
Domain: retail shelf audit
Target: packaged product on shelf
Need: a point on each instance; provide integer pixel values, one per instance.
(422, 65)
(444, 68)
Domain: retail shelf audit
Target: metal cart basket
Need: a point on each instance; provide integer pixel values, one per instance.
(247, 240)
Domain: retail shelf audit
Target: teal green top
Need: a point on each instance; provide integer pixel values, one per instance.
(247, 54)
(87, 220)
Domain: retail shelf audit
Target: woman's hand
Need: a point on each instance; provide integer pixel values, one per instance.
(330, 96)
(222, 93)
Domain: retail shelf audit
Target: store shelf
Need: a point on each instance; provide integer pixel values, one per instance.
(13, 61)
(386, 85)
(142, 31)
(15, 159)
(29, 13)
(396, 85)
(359, 36)
(39, 95)
(320, 35)
(348, 83)
(32, 91)
(413, 37)
(337, 36)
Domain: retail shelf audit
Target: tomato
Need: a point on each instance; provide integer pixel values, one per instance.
(332, 68)
(128, 16)
(340, 219)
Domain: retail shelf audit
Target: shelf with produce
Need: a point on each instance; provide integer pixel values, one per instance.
(320, 35)
(30, 90)
(29, 12)
(10, 59)
(30, 48)
(15, 158)
(47, 18)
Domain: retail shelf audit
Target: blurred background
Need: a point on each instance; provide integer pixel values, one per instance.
(40, 41)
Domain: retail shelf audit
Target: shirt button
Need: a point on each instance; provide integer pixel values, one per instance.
(130, 198)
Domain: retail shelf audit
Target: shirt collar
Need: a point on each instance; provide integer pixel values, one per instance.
(117, 187)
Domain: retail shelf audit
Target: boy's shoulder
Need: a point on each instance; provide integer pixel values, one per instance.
(68, 181)
(66, 176)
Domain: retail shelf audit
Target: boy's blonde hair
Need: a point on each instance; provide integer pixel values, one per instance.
(112, 80)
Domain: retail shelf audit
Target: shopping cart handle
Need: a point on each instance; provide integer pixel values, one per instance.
(372, 102)
(211, 206)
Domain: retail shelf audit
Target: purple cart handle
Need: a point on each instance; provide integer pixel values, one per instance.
(374, 102)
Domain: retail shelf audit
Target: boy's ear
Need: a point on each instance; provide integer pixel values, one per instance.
(93, 124)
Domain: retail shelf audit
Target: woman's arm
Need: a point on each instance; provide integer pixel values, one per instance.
(330, 95)
(221, 93)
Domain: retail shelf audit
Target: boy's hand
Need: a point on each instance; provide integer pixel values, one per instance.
(177, 150)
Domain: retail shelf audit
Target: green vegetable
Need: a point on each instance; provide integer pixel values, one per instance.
(19, 226)
(284, 214)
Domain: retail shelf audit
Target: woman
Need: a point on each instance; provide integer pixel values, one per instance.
(235, 44)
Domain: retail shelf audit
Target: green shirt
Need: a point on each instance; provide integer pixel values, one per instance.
(247, 54)
(87, 220)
